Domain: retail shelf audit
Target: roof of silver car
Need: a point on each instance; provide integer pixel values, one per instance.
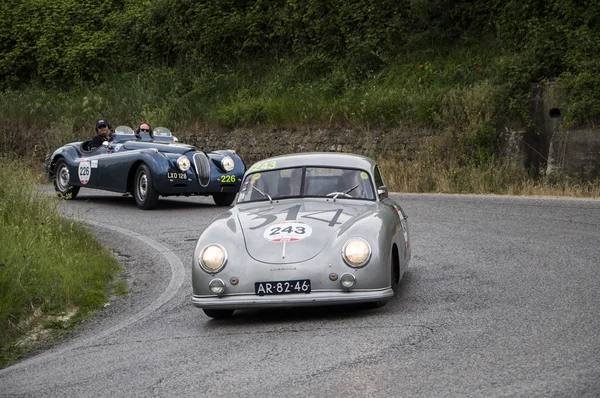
(327, 159)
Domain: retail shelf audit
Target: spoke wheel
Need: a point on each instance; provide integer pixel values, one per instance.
(144, 193)
(61, 181)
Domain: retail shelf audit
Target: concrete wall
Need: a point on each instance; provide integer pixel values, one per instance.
(575, 151)
(254, 144)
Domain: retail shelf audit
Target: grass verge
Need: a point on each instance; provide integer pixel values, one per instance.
(53, 273)
(501, 176)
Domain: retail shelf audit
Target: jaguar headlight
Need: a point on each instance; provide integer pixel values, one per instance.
(183, 163)
(356, 252)
(227, 163)
(213, 258)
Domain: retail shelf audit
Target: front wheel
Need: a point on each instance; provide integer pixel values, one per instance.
(375, 304)
(223, 199)
(144, 193)
(61, 181)
(218, 314)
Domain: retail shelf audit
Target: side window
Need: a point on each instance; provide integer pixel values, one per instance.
(378, 179)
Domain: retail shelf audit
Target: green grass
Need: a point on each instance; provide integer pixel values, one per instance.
(465, 95)
(497, 176)
(48, 264)
(431, 89)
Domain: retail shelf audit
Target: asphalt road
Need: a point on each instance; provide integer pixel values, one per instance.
(502, 298)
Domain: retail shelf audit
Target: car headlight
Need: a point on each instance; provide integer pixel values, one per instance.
(227, 163)
(356, 252)
(213, 258)
(183, 163)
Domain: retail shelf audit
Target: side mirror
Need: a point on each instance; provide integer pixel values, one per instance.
(105, 144)
(382, 191)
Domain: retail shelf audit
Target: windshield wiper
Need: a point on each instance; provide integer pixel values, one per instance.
(266, 195)
(346, 192)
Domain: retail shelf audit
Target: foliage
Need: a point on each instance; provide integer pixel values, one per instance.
(47, 263)
(65, 42)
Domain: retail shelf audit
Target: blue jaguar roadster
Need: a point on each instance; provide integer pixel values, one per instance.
(147, 166)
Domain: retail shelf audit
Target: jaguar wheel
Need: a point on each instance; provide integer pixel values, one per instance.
(144, 193)
(61, 181)
(218, 314)
(223, 199)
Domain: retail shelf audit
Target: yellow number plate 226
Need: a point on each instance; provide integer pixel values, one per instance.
(227, 178)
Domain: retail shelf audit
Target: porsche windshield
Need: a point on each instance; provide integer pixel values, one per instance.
(308, 182)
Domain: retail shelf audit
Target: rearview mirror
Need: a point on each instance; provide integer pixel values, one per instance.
(382, 191)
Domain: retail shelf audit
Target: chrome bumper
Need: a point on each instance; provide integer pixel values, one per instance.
(314, 298)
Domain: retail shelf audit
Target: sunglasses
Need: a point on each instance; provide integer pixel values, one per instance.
(102, 126)
(144, 130)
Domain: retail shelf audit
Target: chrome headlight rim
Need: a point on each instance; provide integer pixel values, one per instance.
(360, 264)
(183, 163)
(227, 163)
(201, 259)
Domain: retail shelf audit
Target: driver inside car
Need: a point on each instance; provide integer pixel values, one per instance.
(350, 183)
(104, 129)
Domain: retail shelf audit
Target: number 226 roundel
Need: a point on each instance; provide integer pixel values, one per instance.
(287, 231)
(84, 171)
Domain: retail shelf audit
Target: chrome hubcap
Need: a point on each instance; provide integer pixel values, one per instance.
(62, 178)
(143, 186)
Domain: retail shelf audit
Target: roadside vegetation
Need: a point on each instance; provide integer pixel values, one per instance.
(461, 69)
(53, 273)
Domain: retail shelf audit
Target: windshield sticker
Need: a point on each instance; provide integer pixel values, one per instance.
(255, 176)
(287, 231)
(264, 166)
(94, 163)
(364, 175)
(84, 171)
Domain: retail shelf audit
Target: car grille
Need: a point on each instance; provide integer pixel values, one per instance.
(202, 168)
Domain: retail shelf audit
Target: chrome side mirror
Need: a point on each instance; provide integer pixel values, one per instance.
(105, 144)
(382, 192)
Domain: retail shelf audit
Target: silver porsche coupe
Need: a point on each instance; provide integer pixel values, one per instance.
(307, 229)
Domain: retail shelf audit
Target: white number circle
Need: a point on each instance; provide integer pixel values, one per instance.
(84, 171)
(287, 231)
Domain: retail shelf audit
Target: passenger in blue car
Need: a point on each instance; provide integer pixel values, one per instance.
(103, 128)
(143, 128)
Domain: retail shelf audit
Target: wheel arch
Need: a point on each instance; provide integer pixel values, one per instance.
(52, 165)
(395, 264)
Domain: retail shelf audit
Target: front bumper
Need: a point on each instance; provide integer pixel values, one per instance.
(314, 298)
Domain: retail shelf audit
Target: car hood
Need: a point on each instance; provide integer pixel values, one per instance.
(294, 231)
(164, 148)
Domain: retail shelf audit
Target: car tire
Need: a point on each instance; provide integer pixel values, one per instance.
(218, 314)
(394, 285)
(375, 304)
(224, 199)
(144, 193)
(61, 181)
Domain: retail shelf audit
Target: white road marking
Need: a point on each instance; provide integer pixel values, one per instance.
(177, 277)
